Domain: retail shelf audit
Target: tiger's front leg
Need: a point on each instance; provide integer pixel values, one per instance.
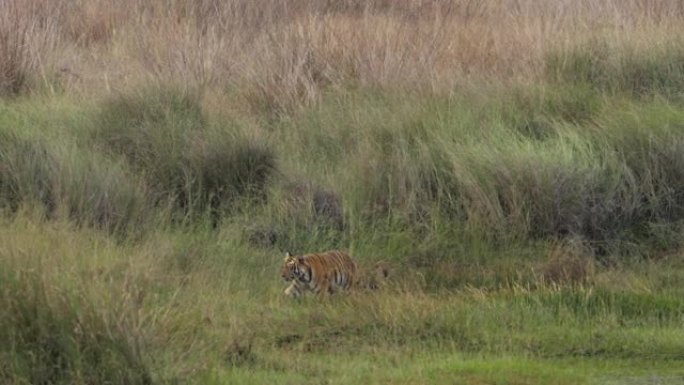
(292, 291)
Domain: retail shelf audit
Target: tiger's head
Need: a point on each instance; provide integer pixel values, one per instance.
(291, 267)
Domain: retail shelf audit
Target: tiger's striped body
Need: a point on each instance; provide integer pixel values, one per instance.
(321, 273)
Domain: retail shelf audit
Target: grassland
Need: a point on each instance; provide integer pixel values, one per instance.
(518, 165)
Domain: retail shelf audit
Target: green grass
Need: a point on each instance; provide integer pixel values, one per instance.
(636, 72)
(163, 134)
(203, 307)
(533, 233)
(512, 164)
(449, 368)
(59, 324)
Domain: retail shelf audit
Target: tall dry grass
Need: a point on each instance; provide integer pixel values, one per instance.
(282, 54)
(28, 41)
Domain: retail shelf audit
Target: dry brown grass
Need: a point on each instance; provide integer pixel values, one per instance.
(569, 262)
(282, 54)
(27, 41)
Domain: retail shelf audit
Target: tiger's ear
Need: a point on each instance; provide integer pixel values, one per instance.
(300, 259)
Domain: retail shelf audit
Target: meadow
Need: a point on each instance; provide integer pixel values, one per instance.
(518, 165)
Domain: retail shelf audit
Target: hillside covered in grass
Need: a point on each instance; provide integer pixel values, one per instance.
(518, 165)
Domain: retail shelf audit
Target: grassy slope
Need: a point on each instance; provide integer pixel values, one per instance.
(190, 302)
(532, 221)
(200, 302)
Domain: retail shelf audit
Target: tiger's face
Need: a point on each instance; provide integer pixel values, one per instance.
(291, 269)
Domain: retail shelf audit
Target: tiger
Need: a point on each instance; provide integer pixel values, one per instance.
(321, 273)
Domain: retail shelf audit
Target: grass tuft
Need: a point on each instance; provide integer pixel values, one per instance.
(26, 172)
(639, 72)
(164, 137)
(52, 330)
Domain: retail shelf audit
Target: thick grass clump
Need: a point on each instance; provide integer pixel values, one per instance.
(536, 111)
(13, 72)
(28, 40)
(639, 72)
(26, 172)
(96, 191)
(64, 179)
(53, 336)
(57, 324)
(164, 137)
(15, 33)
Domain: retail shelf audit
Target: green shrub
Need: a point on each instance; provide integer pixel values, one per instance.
(98, 192)
(52, 335)
(27, 172)
(163, 135)
(228, 167)
(55, 177)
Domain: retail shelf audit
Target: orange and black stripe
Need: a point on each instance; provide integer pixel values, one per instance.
(322, 273)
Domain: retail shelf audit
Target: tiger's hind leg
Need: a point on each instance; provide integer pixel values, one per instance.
(325, 288)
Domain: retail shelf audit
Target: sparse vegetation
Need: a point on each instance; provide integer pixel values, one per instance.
(516, 166)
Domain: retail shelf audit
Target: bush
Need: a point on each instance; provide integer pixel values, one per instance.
(227, 167)
(98, 192)
(92, 190)
(53, 336)
(164, 137)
